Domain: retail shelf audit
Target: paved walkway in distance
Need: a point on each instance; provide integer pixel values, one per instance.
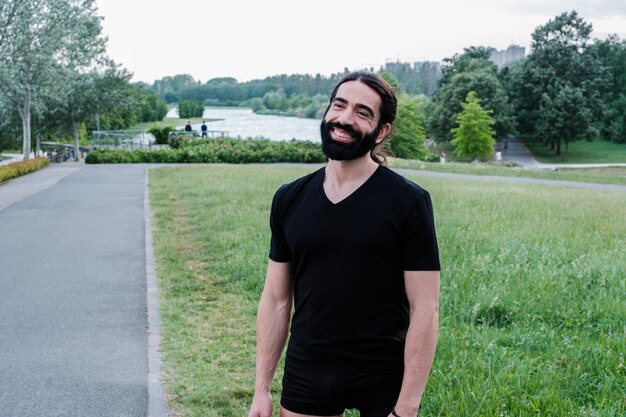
(73, 322)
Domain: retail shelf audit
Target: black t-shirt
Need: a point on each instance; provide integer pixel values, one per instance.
(348, 261)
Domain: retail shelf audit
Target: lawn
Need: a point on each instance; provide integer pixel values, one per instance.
(532, 297)
(580, 152)
(607, 175)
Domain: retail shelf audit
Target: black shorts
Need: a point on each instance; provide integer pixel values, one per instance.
(321, 385)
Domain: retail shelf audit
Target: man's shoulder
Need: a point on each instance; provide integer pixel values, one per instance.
(397, 183)
(296, 186)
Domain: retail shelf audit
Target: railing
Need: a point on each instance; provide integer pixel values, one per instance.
(125, 139)
(212, 133)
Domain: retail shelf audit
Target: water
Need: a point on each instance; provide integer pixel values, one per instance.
(242, 122)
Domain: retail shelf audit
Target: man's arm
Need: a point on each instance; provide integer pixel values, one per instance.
(422, 290)
(272, 327)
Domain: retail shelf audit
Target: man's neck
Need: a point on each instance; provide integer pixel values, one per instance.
(342, 178)
(360, 169)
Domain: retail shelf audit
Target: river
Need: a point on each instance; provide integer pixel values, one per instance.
(242, 122)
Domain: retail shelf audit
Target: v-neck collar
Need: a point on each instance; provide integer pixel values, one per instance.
(350, 196)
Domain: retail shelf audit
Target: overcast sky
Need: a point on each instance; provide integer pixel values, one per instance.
(251, 39)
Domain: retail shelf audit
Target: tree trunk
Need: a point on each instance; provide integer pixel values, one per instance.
(558, 148)
(566, 147)
(75, 134)
(25, 115)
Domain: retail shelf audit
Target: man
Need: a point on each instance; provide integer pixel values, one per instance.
(354, 246)
(188, 127)
(203, 128)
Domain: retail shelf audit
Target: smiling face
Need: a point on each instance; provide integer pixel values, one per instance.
(350, 128)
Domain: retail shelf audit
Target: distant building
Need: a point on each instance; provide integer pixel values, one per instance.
(511, 54)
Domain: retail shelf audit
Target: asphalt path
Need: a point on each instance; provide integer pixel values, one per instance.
(73, 305)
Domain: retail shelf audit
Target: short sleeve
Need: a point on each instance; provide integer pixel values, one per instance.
(420, 251)
(279, 248)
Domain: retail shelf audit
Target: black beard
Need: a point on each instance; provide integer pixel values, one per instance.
(339, 151)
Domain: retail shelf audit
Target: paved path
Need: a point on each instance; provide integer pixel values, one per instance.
(73, 304)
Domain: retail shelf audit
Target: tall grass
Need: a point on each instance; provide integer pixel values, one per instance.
(532, 303)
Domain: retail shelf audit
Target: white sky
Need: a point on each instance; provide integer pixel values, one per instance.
(252, 39)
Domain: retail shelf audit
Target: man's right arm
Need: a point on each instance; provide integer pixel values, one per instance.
(273, 319)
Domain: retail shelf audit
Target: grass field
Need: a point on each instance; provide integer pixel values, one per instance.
(607, 175)
(580, 152)
(532, 298)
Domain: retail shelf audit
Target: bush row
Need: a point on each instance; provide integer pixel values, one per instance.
(17, 169)
(232, 151)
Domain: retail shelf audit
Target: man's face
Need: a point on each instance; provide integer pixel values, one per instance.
(350, 128)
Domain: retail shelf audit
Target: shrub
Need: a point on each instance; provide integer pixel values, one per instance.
(161, 134)
(223, 150)
(17, 169)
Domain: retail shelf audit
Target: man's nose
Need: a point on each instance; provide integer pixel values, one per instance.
(346, 117)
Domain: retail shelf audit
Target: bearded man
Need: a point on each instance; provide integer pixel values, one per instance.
(354, 252)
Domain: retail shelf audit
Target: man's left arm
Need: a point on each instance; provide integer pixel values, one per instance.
(422, 290)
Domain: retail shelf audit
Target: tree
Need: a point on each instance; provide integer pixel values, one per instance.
(407, 137)
(560, 59)
(612, 54)
(461, 74)
(41, 38)
(564, 117)
(83, 97)
(473, 138)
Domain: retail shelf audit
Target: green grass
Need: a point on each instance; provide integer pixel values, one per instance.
(580, 152)
(532, 297)
(608, 175)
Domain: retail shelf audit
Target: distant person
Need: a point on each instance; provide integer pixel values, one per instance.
(188, 127)
(442, 158)
(203, 128)
(353, 250)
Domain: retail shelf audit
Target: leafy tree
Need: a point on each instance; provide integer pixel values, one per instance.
(393, 82)
(190, 108)
(461, 74)
(564, 116)
(39, 38)
(612, 54)
(407, 137)
(560, 58)
(473, 138)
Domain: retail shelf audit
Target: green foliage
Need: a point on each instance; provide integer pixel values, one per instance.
(407, 136)
(17, 169)
(471, 71)
(40, 39)
(190, 108)
(223, 150)
(612, 55)
(161, 134)
(473, 138)
(560, 59)
(564, 117)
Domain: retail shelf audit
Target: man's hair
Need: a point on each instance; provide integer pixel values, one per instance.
(388, 105)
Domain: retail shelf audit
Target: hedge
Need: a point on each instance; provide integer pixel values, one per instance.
(17, 169)
(223, 150)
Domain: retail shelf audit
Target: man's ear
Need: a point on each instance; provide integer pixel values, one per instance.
(384, 131)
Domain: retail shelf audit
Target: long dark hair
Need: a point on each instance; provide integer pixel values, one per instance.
(388, 105)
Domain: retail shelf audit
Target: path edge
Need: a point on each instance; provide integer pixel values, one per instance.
(156, 396)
